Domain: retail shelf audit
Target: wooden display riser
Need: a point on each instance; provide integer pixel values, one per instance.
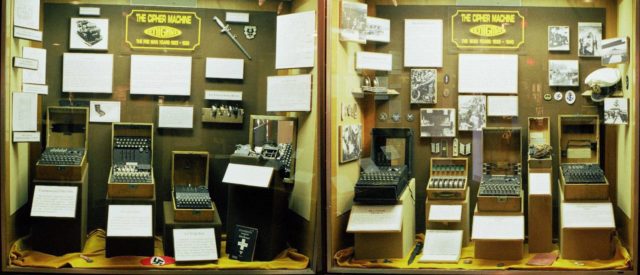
(170, 223)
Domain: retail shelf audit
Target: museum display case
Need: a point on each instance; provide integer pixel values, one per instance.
(132, 131)
(525, 147)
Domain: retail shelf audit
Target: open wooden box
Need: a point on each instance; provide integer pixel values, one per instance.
(443, 168)
(501, 147)
(539, 133)
(131, 189)
(579, 142)
(190, 168)
(67, 127)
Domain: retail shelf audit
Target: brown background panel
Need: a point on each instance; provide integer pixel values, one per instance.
(532, 78)
(218, 139)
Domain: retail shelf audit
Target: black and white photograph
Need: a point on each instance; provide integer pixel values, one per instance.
(378, 29)
(424, 86)
(558, 38)
(615, 51)
(589, 39)
(472, 112)
(353, 22)
(436, 122)
(616, 111)
(564, 73)
(89, 34)
(350, 142)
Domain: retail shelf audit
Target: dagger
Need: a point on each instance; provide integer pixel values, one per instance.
(226, 29)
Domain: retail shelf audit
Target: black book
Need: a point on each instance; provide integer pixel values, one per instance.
(242, 244)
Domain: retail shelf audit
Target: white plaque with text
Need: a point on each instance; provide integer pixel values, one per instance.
(130, 221)
(39, 75)
(35, 89)
(295, 40)
(175, 117)
(237, 17)
(26, 136)
(373, 61)
(195, 244)
(26, 13)
(223, 95)
(87, 73)
(54, 201)
(89, 11)
(225, 68)
(289, 93)
(488, 73)
(19, 32)
(423, 43)
(375, 218)
(249, 175)
(587, 215)
(160, 75)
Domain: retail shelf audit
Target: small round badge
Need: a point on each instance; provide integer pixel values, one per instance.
(410, 117)
(446, 92)
(557, 96)
(548, 97)
(570, 97)
(383, 116)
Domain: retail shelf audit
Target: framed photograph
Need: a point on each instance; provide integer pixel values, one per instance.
(558, 38)
(437, 122)
(350, 142)
(89, 34)
(564, 73)
(353, 22)
(615, 50)
(589, 39)
(424, 86)
(616, 111)
(472, 112)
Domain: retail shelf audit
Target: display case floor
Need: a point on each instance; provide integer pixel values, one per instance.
(621, 260)
(93, 256)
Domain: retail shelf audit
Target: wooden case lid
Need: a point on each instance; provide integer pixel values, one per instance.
(67, 127)
(501, 145)
(190, 167)
(579, 131)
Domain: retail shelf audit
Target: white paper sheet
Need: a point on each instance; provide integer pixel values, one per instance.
(378, 29)
(444, 212)
(54, 201)
(539, 184)
(195, 244)
(227, 68)
(24, 112)
(26, 136)
(375, 218)
(175, 117)
(488, 73)
(373, 61)
(423, 43)
(104, 111)
(295, 40)
(160, 75)
(441, 246)
(236, 17)
(35, 76)
(26, 13)
(249, 175)
(498, 227)
(289, 93)
(87, 73)
(29, 34)
(25, 63)
(587, 215)
(129, 221)
(502, 106)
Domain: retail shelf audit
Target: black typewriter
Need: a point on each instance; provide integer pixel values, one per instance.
(61, 156)
(192, 197)
(383, 186)
(500, 180)
(132, 158)
(282, 153)
(582, 173)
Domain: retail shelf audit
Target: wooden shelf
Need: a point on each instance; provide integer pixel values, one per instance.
(377, 96)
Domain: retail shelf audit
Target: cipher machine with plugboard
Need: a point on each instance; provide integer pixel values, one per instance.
(381, 187)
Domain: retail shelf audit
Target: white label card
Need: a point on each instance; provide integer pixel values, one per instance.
(39, 75)
(26, 136)
(104, 111)
(373, 61)
(502, 106)
(129, 221)
(24, 112)
(488, 73)
(441, 246)
(223, 95)
(445, 213)
(295, 40)
(25, 63)
(249, 175)
(87, 73)
(161, 75)
(195, 244)
(54, 201)
(175, 117)
(498, 227)
(423, 43)
(89, 11)
(587, 215)
(540, 184)
(26, 13)
(227, 68)
(375, 218)
(378, 29)
(35, 89)
(237, 17)
(289, 93)
(19, 32)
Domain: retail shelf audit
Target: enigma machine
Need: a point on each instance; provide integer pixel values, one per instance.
(65, 156)
(501, 185)
(391, 151)
(131, 174)
(190, 186)
(581, 177)
(448, 179)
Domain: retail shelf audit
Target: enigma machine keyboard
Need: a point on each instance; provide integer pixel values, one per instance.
(381, 187)
(192, 197)
(582, 173)
(502, 185)
(61, 156)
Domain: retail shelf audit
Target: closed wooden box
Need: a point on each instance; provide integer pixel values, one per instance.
(539, 133)
(190, 168)
(502, 155)
(67, 127)
(441, 168)
(498, 235)
(461, 224)
(131, 189)
(131, 246)
(540, 210)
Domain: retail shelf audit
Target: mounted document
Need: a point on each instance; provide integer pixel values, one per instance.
(289, 93)
(54, 201)
(373, 61)
(249, 175)
(295, 40)
(160, 75)
(39, 75)
(87, 73)
(375, 218)
(130, 221)
(423, 43)
(488, 73)
(195, 244)
(441, 246)
(506, 106)
(175, 117)
(24, 112)
(228, 68)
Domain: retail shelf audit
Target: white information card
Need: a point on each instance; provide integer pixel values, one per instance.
(39, 75)
(441, 246)
(373, 61)
(195, 244)
(249, 175)
(129, 221)
(26, 13)
(54, 201)
(295, 40)
(160, 75)
(539, 183)
(502, 106)
(375, 218)
(289, 93)
(226, 68)
(423, 43)
(498, 227)
(488, 73)
(87, 73)
(445, 213)
(175, 117)
(24, 112)
(587, 215)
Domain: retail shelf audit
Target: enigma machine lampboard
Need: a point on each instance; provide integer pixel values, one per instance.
(131, 172)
